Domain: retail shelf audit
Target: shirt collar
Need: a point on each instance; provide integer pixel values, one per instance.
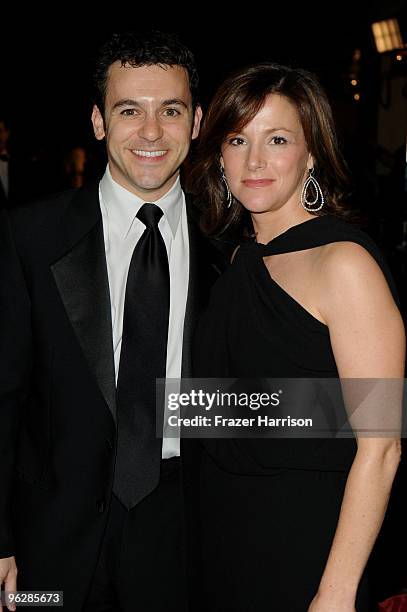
(123, 205)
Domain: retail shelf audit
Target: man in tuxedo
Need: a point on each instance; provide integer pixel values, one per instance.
(100, 288)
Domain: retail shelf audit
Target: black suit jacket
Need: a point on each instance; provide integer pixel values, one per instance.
(57, 385)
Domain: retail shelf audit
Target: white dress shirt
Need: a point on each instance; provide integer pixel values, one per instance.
(122, 230)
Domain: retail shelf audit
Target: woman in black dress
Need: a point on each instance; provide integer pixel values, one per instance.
(289, 524)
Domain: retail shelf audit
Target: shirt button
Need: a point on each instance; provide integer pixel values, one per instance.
(101, 505)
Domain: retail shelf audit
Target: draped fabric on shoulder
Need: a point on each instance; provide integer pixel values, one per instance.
(269, 507)
(253, 328)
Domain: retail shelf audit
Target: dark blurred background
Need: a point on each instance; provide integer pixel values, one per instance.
(46, 59)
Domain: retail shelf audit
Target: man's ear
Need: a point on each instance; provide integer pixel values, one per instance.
(197, 122)
(98, 123)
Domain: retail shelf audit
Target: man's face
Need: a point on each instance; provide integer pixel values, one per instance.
(149, 124)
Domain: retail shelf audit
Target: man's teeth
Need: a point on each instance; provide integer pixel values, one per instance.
(149, 153)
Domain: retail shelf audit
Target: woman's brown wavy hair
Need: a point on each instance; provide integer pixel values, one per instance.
(234, 105)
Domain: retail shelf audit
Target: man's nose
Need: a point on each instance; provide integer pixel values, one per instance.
(151, 129)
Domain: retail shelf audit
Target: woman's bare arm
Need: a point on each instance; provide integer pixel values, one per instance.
(368, 341)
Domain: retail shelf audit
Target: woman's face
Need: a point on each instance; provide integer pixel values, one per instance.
(266, 163)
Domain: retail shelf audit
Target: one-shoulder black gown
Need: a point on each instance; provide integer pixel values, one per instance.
(268, 508)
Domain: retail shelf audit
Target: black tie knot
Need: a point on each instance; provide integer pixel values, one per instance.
(150, 214)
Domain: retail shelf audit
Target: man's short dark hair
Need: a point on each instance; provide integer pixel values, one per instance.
(143, 49)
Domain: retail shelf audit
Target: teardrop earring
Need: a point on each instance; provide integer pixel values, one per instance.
(229, 196)
(306, 204)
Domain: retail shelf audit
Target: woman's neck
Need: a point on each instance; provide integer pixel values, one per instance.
(270, 224)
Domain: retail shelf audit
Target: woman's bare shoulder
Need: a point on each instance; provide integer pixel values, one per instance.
(350, 276)
(348, 260)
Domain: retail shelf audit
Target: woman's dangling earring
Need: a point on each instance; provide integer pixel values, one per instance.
(229, 197)
(311, 180)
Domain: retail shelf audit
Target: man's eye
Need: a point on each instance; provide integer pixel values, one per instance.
(171, 112)
(278, 140)
(128, 112)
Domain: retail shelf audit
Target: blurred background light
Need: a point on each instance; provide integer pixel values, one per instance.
(387, 35)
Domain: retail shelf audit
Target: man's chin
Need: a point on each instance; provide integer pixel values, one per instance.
(151, 189)
(149, 183)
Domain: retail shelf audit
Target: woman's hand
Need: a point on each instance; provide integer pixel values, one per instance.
(331, 603)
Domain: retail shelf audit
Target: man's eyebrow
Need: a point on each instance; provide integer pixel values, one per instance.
(131, 102)
(174, 102)
(125, 102)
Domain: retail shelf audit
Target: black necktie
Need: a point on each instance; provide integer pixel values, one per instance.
(142, 360)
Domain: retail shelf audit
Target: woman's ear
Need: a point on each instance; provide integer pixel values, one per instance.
(222, 165)
(310, 162)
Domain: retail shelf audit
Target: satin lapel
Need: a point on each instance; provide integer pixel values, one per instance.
(82, 281)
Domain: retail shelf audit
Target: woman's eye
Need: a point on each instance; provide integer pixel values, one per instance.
(278, 140)
(236, 141)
